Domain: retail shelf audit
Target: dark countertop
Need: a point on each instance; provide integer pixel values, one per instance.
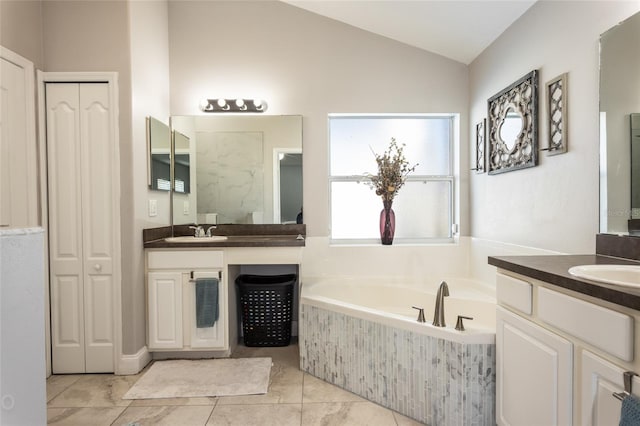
(234, 241)
(555, 270)
(237, 236)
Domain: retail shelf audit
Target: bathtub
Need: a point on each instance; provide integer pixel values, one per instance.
(361, 334)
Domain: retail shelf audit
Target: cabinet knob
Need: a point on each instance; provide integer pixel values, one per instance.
(97, 267)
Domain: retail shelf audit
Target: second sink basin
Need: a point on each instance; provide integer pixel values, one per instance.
(624, 275)
(192, 239)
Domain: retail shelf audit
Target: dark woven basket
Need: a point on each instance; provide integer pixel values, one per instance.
(266, 305)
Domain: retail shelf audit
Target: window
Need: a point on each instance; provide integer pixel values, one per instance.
(423, 207)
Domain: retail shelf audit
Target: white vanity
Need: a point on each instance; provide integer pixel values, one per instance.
(563, 344)
(171, 271)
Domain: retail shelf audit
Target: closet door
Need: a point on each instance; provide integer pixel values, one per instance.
(18, 159)
(81, 227)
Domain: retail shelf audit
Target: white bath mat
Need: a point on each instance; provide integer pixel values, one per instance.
(199, 378)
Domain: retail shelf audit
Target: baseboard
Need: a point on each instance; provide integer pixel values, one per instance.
(133, 364)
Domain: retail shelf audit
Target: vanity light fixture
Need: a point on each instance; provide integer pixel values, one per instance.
(233, 105)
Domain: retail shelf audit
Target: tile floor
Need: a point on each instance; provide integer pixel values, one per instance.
(294, 398)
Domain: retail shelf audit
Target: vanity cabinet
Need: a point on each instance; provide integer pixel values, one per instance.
(171, 300)
(534, 372)
(560, 354)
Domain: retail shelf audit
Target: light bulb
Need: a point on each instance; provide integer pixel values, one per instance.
(240, 103)
(222, 103)
(204, 105)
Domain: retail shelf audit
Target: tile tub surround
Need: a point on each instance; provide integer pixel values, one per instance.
(429, 379)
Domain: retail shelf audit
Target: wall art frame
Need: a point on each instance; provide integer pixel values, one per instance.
(513, 115)
(557, 124)
(480, 164)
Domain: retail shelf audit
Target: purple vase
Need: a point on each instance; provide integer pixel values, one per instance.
(387, 224)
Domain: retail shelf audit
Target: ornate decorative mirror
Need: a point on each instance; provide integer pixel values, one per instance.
(513, 126)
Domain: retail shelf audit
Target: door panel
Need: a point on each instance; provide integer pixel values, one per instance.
(18, 161)
(165, 310)
(66, 323)
(98, 326)
(65, 228)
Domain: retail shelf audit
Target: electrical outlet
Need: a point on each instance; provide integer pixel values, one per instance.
(185, 207)
(153, 208)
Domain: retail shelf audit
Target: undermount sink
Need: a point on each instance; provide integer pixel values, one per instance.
(624, 275)
(192, 239)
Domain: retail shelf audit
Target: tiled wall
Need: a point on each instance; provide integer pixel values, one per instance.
(431, 380)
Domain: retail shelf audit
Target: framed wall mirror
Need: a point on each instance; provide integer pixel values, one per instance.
(619, 105)
(512, 126)
(244, 169)
(159, 155)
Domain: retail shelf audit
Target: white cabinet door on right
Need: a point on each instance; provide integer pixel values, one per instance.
(600, 380)
(165, 310)
(534, 374)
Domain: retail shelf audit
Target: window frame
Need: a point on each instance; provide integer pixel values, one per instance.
(453, 119)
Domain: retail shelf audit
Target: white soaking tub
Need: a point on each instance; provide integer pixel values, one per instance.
(362, 335)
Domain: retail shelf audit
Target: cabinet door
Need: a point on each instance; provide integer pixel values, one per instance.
(165, 310)
(534, 373)
(600, 379)
(206, 337)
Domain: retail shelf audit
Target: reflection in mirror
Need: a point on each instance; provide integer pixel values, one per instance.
(181, 170)
(510, 128)
(236, 173)
(619, 100)
(158, 161)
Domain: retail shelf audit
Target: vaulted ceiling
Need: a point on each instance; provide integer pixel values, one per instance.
(457, 29)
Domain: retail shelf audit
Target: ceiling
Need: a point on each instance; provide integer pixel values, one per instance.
(457, 29)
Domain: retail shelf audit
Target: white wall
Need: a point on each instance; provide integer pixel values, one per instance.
(555, 205)
(302, 63)
(149, 44)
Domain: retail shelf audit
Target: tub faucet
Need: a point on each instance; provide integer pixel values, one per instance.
(438, 315)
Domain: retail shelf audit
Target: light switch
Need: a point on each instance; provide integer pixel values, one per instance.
(185, 207)
(153, 208)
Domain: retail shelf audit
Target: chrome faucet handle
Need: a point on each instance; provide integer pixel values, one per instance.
(209, 230)
(198, 231)
(420, 314)
(459, 324)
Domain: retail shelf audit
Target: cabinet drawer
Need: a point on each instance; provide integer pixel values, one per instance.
(185, 259)
(514, 293)
(603, 328)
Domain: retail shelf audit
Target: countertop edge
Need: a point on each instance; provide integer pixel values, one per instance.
(553, 270)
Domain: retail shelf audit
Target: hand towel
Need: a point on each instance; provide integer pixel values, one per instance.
(630, 411)
(206, 302)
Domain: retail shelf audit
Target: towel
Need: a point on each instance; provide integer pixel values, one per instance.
(206, 302)
(630, 411)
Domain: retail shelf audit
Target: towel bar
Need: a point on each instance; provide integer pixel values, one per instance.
(628, 382)
(193, 280)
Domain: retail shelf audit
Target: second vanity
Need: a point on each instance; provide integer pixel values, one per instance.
(564, 343)
(173, 267)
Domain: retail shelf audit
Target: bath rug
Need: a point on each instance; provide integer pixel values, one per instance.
(202, 378)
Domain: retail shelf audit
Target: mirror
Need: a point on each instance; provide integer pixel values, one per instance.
(619, 104)
(246, 169)
(158, 160)
(512, 126)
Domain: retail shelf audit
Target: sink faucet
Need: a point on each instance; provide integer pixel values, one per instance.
(209, 230)
(438, 315)
(198, 231)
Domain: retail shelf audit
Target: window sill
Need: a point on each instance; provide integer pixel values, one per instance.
(396, 243)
